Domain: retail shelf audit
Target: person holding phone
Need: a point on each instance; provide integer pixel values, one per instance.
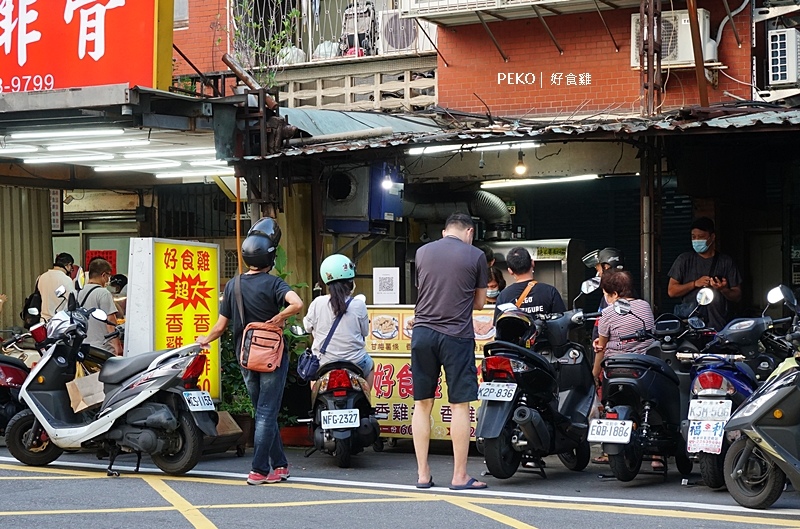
(705, 267)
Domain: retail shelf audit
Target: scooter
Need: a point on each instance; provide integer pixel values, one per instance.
(642, 404)
(15, 366)
(536, 391)
(342, 417)
(151, 404)
(767, 425)
(722, 381)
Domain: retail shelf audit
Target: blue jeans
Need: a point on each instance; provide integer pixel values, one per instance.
(266, 393)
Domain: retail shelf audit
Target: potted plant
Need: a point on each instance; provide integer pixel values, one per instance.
(235, 398)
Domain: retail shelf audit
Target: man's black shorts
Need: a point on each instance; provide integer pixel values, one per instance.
(432, 350)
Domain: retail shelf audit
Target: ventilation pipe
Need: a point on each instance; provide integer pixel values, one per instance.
(482, 204)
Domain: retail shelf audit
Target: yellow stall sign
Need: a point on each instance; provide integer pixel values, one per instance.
(389, 344)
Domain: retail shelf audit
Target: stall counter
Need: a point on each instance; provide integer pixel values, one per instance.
(389, 344)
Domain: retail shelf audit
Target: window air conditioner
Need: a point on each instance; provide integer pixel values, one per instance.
(784, 56)
(403, 35)
(676, 38)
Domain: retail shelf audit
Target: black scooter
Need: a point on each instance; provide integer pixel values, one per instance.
(767, 425)
(643, 408)
(537, 391)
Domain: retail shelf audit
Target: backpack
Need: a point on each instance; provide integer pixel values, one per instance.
(34, 301)
(262, 342)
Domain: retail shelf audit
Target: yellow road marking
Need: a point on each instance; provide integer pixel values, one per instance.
(49, 470)
(492, 515)
(643, 511)
(189, 511)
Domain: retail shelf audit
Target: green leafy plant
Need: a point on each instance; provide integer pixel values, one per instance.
(235, 398)
(260, 32)
(296, 343)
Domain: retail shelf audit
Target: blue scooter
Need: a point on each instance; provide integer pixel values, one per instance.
(722, 379)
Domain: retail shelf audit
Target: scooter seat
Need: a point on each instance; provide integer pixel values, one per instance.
(117, 368)
(14, 362)
(640, 360)
(747, 370)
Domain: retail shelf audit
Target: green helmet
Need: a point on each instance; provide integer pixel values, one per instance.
(336, 267)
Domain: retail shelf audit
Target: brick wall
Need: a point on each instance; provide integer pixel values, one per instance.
(475, 63)
(205, 40)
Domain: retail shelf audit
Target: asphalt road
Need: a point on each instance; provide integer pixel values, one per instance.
(377, 492)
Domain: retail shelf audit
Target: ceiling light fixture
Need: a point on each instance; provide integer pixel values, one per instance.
(172, 153)
(70, 159)
(222, 163)
(15, 149)
(78, 146)
(481, 162)
(537, 181)
(72, 133)
(520, 168)
(387, 182)
(137, 166)
(222, 171)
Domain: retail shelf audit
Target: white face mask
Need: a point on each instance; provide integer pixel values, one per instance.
(491, 294)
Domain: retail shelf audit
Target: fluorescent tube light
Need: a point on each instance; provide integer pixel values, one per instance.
(506, 146)
(137, 166)
(72, 133)
(222, 171)
(97, 145)
(70, 159)
(14, 149)
(537, 181)
(198, 163)
(172, 153)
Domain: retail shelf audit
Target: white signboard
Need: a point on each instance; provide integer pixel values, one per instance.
(386, 286)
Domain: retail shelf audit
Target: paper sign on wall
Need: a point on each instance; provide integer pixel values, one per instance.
(386, 286)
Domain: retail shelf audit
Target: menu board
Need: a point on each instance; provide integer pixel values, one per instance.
(389, 344)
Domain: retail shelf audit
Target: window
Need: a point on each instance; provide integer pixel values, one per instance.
(181, 14)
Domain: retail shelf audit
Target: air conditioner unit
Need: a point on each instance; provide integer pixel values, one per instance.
(784, 56)
(403, 35)
(676, 38)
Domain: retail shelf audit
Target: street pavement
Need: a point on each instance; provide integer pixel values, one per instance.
(377, 492)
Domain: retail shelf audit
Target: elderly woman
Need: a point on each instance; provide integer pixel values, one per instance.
(619, 285)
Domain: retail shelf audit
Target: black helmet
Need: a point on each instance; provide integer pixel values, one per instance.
(610, 256)
(118, 280)
(258, 248)
(513, 326)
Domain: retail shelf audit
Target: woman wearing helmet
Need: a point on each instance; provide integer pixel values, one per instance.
(347, 344)
(262, 296)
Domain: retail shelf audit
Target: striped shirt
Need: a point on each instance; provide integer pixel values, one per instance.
(613, 325)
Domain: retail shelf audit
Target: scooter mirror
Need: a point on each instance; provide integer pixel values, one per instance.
(33, 311)
(60, 291)
(775, 295)
(788, 297)
(696, 322)
(622, 307)
(705, 296)
(99, 315)
(505, 307)
(590, 285)
(298, 330)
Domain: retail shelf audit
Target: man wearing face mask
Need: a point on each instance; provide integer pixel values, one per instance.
(705, 267)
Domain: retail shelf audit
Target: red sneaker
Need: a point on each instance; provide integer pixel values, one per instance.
(256, 478)
(282, 472)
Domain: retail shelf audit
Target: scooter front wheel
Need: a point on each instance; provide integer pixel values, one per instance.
(760, 482)
(712, 468)
(19, 432)
(578, 458)
(184, 451)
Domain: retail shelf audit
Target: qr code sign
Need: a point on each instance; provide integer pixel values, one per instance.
(385, 284)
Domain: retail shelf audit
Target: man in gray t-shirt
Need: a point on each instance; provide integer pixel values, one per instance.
(451, 278)
(94, 295)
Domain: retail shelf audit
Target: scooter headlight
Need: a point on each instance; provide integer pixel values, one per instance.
(752, 407)
(742, 325)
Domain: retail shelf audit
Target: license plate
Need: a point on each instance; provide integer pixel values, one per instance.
(709, 410)
(609, 431)
(198, 400)
(707, 420)
(497, 391)
(339, 419)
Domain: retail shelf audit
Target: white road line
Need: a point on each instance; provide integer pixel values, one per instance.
(655, 504)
